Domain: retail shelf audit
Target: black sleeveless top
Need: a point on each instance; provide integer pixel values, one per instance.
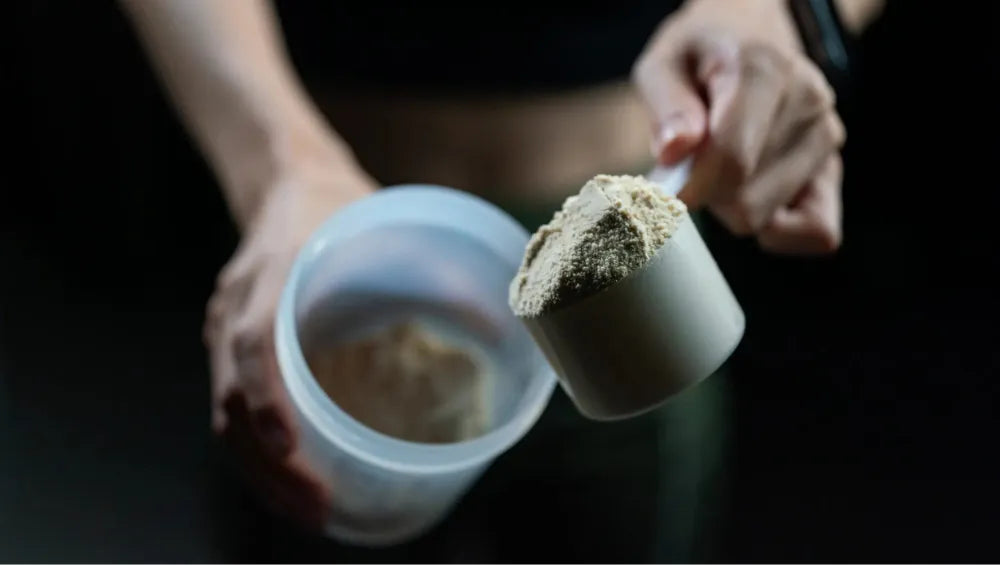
(513, 45)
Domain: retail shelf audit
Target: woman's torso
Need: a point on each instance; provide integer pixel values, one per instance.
(521, 103)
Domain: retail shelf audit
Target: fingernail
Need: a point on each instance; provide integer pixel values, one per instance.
(272, 432)
(665, 146)
(671, 128)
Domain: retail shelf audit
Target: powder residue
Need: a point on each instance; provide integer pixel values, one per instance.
(407, 382)
(612, 227)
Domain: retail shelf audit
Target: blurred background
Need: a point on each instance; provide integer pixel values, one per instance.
(864, 425)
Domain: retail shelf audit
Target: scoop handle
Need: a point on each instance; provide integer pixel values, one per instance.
(671, 179)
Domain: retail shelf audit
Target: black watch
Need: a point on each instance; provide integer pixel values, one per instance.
(825, 39)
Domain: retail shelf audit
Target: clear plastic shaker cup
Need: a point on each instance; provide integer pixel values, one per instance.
(441, 256)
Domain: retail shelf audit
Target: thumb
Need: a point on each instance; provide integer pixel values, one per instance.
(678, 111)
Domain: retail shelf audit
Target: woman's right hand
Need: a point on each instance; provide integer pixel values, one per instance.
(728, 82)
(250, 408)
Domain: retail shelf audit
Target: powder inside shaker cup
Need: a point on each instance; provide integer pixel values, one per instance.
(409, 382)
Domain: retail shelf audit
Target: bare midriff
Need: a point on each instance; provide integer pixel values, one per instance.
(523, 150)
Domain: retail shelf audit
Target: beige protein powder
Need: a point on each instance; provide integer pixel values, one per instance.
(612, 227)
(405, 381)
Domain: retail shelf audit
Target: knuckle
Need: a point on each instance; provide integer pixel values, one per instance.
(816, 98)
(737, 219)
(638, 69)
(770, 242)
(219, 424)
(735, 156)
(729, 157)
(737, 164)
(742, 165)
(821, 94)
(740, 228)
(226, 409)
(643, 68)
(214, 314)
(749, 213)
(833, 130)
(248, 341)
(840, 132)
(227, 276)
(209, 335)
(829, 239)
(836, 170)
(815, 90)
(762, 60)
(237, 268)
(215, 309)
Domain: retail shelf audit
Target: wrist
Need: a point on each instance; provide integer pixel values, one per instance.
(770, 20)
(265, 159)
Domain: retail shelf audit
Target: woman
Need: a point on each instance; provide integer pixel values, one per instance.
(521, 106)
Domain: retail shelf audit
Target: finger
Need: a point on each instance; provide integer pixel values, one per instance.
(258, 374)
(808, 96)
(671, 95)
(812, 225)
(232, 289)
(260, 380)
(778, 183)
(240, 266)
(212, 328)
(223, 378)
(286, 485)
(309, 497)
(745, 87)
(217, 335)
(253, 343)
(233, 286)
(248, 454)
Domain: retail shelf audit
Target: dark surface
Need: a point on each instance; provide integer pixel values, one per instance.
(861, 412)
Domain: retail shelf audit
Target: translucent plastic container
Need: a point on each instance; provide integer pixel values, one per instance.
(446, 258)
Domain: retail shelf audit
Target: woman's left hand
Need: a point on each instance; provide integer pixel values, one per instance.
(727, 82)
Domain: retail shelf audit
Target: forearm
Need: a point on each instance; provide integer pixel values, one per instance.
(856, 14)
(227, 73)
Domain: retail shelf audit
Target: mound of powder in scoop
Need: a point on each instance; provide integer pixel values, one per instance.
(611, 228)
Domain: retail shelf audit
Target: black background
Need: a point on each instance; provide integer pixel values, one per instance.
(866, 388)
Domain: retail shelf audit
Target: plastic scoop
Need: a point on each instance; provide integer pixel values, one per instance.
(667, 326)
